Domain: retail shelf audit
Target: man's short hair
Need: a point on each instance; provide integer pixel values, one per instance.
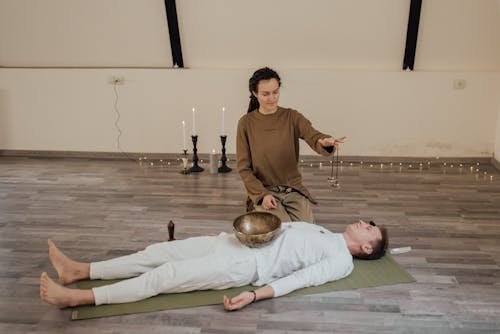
(379, 246)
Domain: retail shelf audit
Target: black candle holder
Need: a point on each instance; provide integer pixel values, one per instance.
(195, 168)
(185, 162)
(171, 229)
(223, 168)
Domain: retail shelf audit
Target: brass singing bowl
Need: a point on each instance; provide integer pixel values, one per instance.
(255, 229)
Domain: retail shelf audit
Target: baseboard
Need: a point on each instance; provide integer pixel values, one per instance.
(89, 155)
(232, 157)
(495, 163)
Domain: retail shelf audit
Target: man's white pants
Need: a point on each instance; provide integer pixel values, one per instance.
(199, 263)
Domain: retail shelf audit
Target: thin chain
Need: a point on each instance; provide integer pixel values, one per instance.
(335, 161)
(337, 168)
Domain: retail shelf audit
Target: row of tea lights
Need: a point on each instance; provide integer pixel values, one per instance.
(473, 168)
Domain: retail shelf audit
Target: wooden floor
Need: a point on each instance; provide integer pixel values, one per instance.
(96, 209)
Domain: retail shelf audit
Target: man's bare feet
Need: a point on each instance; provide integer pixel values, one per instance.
(67, 269)
(53, 293)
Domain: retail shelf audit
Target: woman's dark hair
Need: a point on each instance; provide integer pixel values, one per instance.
(264, 73)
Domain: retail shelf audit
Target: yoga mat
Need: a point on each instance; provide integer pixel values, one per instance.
(384, 271)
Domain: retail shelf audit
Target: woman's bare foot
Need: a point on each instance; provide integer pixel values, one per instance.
(67, 269)
(55, 294)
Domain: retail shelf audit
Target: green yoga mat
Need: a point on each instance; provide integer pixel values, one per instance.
(384, 271)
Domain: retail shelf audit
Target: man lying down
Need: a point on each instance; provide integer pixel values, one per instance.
(302, 255)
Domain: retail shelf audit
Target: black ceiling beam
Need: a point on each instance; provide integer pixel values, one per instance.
(173, 30)
(412, 34)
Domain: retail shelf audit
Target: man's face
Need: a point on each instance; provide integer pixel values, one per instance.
(363, 233)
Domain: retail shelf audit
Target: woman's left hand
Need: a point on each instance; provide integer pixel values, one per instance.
(330, 141)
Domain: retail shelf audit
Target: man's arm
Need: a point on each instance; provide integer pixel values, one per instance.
(322, 272)
(326, 270)
(247, 297)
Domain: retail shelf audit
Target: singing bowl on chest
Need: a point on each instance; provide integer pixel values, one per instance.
(256, 229)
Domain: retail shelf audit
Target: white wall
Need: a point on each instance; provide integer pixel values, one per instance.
(382, 113)
(84, 33)
(454, 35)
(458, 35)
(340, 61)
(497, 141)
(497, 138)
(347, 34)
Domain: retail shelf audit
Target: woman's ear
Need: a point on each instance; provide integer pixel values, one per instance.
(254, 94)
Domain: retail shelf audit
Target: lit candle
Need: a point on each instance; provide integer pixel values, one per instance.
(184, 135)
(223, 121)
(213, 163)
(194, 124)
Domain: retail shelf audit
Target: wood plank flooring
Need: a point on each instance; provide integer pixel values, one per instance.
(96, 209)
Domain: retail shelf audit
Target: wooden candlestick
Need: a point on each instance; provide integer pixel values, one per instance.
(171, 228)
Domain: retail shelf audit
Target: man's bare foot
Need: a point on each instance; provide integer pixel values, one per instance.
(67, 269)
(55, 294)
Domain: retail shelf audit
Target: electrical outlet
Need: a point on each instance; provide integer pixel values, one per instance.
(459, 84)
(116, 80)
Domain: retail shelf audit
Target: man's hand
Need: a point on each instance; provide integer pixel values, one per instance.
(238, 302)
(330, 141)
(269, 202)
(247, 297)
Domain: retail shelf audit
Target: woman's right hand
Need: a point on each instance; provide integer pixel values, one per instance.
(269, 202)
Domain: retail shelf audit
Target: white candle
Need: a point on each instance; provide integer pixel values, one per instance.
(194, 124)
(223, 121)
(184, 135)
(213, 163)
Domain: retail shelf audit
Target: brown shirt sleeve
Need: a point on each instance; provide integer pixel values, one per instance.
(310, 134)
(255, 189)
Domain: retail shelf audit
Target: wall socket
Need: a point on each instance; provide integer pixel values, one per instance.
(459, 84)
(116, 80)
